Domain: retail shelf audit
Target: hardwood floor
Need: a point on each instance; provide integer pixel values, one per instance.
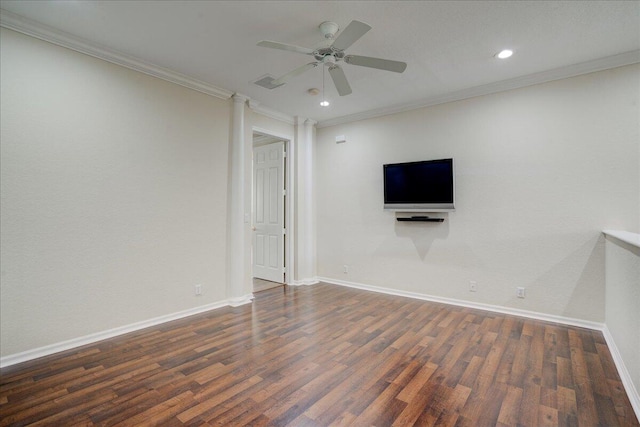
(327, 355)
(260, 285)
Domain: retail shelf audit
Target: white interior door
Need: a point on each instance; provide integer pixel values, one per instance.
(268, 212)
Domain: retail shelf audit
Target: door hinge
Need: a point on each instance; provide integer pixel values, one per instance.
(284, 192)
(284, 231)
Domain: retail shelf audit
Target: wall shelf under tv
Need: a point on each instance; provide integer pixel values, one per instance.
(420, 219)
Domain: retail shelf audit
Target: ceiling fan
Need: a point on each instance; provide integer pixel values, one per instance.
(330, 54)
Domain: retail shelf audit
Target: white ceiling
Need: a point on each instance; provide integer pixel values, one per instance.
(449, 46)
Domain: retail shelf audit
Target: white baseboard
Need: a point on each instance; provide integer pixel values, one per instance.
(236, 302)
(305, 282)
(627, 382)
(47, 350)
(476, 305)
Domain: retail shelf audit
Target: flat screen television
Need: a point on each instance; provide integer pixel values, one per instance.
(426, 186)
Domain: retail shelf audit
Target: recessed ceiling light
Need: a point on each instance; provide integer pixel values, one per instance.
(324, 104)
(504, 54)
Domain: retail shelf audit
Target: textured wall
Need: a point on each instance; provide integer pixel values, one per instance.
(540, 172)
(114, 189)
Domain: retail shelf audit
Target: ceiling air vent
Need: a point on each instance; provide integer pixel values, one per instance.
(266, 82)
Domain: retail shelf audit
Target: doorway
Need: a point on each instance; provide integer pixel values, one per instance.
(269, 211)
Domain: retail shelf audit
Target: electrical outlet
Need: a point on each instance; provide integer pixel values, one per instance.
(345, 269)
(520, 292)
(198, 290)
(473, 286)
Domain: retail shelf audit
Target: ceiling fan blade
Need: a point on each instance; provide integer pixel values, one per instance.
(350, 35)
(283, 46)
(381, 64)
(340, 80)
(284, 78)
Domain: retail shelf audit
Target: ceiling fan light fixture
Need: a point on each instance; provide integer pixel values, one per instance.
(504, 54)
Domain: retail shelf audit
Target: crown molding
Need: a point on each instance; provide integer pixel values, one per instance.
(31, 28)
(299, 120)
(269, 112)
(622, 59)
(240, 98)
(34, 29)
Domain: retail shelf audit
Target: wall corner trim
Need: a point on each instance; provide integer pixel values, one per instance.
(47, 350)
(31, 28)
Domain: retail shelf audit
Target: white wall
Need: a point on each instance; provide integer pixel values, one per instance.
(268, 125)
(622, 304)
(114, 190)
(540, 172)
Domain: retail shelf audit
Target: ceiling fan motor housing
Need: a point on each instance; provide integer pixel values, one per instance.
(328, 54)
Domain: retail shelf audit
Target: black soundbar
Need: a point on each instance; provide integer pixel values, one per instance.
(421, 218)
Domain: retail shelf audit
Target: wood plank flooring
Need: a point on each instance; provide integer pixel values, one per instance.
(260, 285)
(327, 355)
